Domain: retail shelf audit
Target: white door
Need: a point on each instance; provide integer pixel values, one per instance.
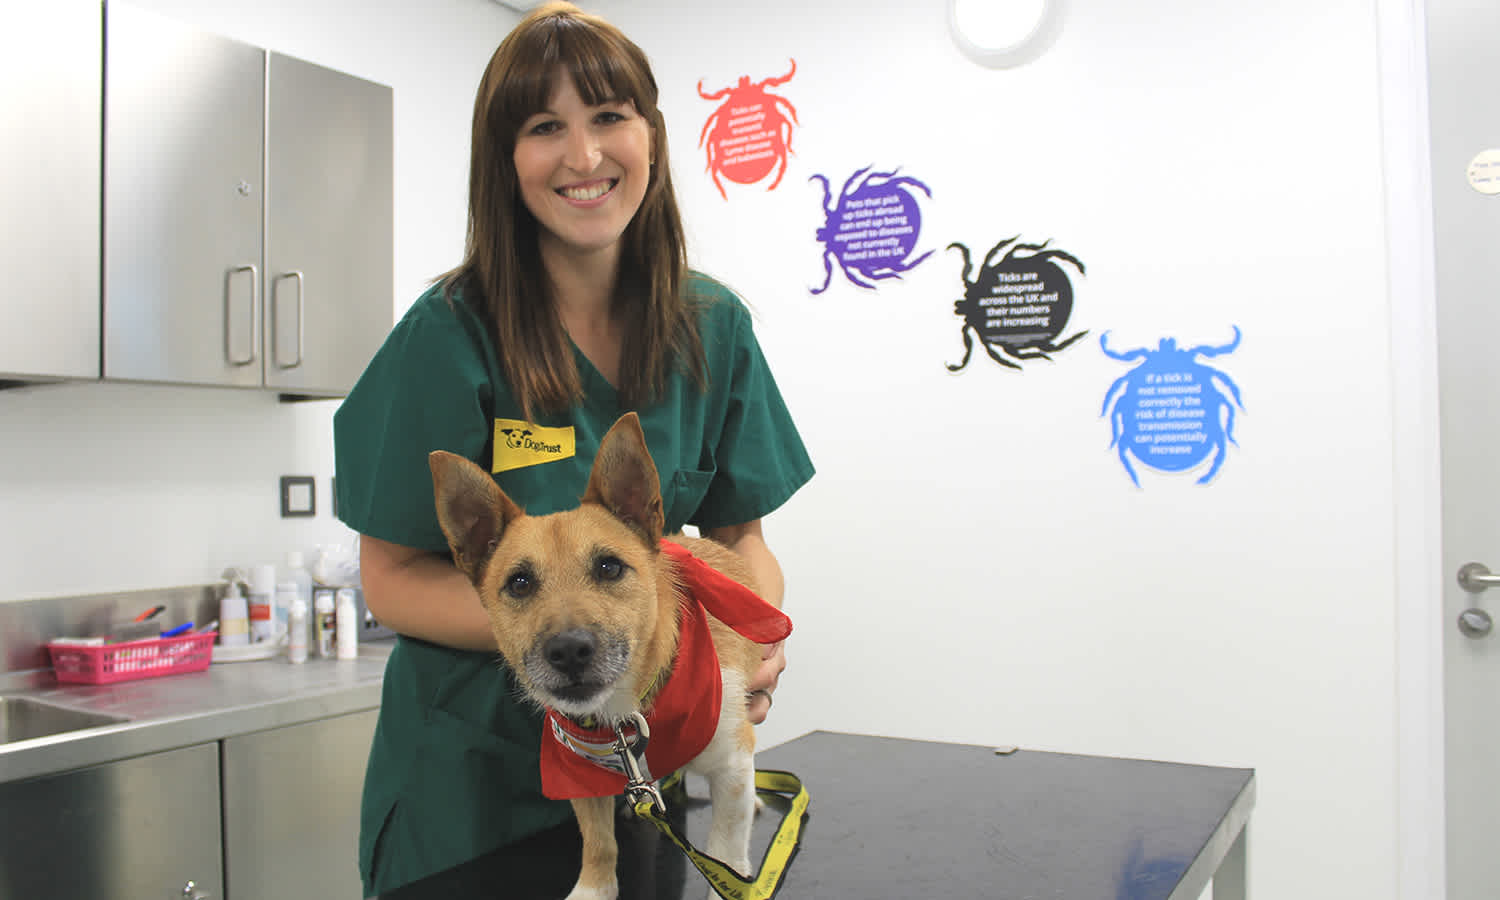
(1463, 53)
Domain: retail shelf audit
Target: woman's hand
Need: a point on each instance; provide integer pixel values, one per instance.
(763, 682)
(748, 540)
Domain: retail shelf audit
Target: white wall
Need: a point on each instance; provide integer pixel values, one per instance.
(971, 563)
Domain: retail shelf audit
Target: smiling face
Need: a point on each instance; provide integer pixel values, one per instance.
(583, 170)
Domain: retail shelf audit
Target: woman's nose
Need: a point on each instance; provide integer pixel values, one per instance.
(582, 153)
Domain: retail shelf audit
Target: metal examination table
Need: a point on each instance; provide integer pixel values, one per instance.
(894, 819)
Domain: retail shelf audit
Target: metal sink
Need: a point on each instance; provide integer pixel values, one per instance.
(22, 718)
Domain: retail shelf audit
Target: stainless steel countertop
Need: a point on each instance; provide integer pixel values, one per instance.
(174, 711)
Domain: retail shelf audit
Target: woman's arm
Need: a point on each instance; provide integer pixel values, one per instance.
(421, 594)
(750, 543)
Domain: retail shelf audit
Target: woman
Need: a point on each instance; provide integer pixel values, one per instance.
(573, 304)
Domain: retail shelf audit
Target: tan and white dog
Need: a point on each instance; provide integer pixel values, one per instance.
(596, 615)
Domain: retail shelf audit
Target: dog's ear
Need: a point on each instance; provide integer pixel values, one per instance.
(471, 509)
(624, 479)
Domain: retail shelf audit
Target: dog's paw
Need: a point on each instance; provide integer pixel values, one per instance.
(595, 892)
(760, 804)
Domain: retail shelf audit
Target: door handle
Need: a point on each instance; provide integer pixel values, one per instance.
(1476, 577)
(276, 320)
(229, 311)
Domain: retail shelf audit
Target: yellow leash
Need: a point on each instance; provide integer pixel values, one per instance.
(646, 799)
(728, 883)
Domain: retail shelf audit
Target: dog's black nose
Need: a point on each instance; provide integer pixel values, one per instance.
(571, 651)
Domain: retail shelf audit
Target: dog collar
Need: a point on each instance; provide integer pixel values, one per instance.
(579, 761)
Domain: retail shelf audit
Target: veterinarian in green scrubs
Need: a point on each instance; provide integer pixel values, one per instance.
(573, 305)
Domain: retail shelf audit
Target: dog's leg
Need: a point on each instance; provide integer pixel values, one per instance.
(596, 821)
(731, 789)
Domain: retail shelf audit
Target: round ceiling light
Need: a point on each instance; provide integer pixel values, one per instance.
(1004, 33)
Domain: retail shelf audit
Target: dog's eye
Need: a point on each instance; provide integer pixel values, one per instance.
(608, 568)
(520, 585)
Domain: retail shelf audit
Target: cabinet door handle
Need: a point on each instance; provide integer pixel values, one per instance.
(276, 320)
(229, 311)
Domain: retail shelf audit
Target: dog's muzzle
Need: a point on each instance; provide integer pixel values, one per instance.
(576, 665)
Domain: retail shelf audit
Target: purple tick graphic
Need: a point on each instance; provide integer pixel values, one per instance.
(873, 228)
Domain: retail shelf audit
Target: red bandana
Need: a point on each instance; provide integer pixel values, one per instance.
(577, 762)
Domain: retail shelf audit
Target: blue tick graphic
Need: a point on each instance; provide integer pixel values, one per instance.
(1171, 412)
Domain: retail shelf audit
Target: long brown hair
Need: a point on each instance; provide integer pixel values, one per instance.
(502, 268)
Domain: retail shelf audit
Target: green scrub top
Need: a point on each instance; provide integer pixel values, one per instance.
(453, 771)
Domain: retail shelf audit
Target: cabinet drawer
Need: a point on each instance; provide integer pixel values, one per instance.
(142, 827)
(291, 808)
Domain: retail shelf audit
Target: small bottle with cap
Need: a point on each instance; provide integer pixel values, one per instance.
(325, 623)
(262, 602)
(234, 617)
(347, 624)
(286, 593)
(296, 572)
(296, 649)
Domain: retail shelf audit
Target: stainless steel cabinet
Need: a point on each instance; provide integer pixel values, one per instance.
(141, 828)
(49, 192)
(183, 167)
(247, 213)
(329, 244)
(291, 809)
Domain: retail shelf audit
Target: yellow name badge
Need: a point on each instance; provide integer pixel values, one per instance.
(520, 444)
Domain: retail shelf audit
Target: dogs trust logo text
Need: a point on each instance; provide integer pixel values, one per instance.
(520, 444)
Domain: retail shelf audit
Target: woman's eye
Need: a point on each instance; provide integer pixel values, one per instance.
(542, 129)
(520, 585)
(609, 118)
(608, 568)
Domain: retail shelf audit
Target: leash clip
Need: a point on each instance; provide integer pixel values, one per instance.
(638, 782)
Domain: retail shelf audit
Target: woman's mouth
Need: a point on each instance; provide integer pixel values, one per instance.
(586, 192)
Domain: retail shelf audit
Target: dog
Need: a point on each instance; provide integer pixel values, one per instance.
(515, 438)
(600, 620)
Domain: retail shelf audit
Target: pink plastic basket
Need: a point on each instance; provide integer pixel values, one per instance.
(132, 660)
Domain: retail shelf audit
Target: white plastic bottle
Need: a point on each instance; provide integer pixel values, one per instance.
(296, 649)
(324, 623)
(347, 624)
(296, 571)
(262, 602)
(234, 617)
(286, 594)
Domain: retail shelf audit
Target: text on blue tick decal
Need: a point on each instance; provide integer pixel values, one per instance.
(1171, 412)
